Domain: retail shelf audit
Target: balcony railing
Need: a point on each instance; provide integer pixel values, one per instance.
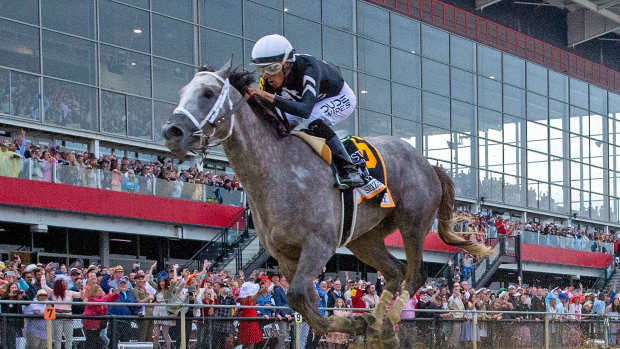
(102, 179)
(528, 237)
(482, 30)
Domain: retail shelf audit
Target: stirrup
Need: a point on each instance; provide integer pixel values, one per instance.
(338, 183)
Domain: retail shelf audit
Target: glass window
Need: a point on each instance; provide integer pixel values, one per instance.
(462, 52)
(22, 10)
(304, 35)
(216, 48)
(596, 152)
(183, 9)
(435, 110)
(614, 106)
(20, 46)
(70, 105)
(406, 129)
(558, 114)
(338, 47)
(558, 86)
(273, 3)
(514, 131)
(124, 26)
(113, 113)
(514, 70)
(69, 58)
(373, 58)
(464, 179)
(224, 15)
(538, 166)
(514, 101)
(260, 21)
(405, 33)
(512, 160)
(338, 14)
(406, 102)
(372, 22)
(598, 100)
(579, 121)
(536, 108)
(462, 117)
(25, 95)
(139, 118)
(537, 137)
(462, 149)
(557, 199)
(82, 19)
(374, 93)
(537, 78)
(304, 8)
(374, 124)
(435, 77)
(489, 63)
(138, 3)
(462, 85)
(162, 112)
(436, 141)
(125, 71)
(5, 91)
(173, 39)
(490, 155)
(490, 124)
(556, 143)
(435, 43)
(405, 68)
(596, 126)
(489, 93)
(491, 184)
(578, 93)
(168, 78)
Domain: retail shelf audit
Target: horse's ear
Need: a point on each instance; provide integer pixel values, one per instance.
(226, 69)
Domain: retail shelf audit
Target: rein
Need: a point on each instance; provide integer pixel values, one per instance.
(213, 117)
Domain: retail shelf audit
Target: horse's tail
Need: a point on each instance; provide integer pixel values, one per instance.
(445, 223)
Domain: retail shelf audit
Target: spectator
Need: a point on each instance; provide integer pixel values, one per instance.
(35, 330)
(163, 296)
(10, 161)
(141, 295)
(280, 288)
(61, 328)
(371, 298)
(223, 329)
(13, 324)
(130, 182)
(93, 326)
(338, 340)
(123, 327)
(249, 331)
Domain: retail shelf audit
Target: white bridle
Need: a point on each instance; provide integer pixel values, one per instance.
(213, 116)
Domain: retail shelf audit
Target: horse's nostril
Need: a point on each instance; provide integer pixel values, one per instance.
(174, 131)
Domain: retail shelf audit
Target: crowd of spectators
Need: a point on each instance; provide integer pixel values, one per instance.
(484, 227)
(118, 173)
(162, 294)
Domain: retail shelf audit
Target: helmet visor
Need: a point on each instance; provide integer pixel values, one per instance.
(270, 69)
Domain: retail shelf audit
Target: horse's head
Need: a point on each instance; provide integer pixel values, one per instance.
(204, 112)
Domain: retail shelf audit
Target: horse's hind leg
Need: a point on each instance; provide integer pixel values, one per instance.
(302, 294)
(370, 249)
(413, 229)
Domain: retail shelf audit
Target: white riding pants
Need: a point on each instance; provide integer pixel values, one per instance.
(331, 110)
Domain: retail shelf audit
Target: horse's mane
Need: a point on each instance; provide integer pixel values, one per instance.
(242, 80)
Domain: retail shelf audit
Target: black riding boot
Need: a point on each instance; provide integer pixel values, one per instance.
(347, 174)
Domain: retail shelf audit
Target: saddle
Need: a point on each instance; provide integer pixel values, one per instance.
(366, 157)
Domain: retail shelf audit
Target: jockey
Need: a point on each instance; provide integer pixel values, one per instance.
(307, 91)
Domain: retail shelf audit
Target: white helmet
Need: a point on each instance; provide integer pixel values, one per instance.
(271, 49)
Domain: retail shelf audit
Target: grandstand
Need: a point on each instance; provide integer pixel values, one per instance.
(518, 100)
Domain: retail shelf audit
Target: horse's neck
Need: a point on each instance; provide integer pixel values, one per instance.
(251, 139)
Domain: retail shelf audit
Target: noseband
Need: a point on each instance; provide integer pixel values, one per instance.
(213, 117)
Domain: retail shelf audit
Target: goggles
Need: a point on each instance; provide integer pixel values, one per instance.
(270, 69)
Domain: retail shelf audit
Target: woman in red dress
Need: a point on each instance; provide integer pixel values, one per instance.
(249, 331)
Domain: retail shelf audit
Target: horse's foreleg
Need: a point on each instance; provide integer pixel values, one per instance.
(302, 294)
(413, 231)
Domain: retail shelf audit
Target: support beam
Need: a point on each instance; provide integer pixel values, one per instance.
(584, 25)
(600, 10)
(481, 4)
(610, 4)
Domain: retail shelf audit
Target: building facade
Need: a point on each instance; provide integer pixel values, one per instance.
(511, 132)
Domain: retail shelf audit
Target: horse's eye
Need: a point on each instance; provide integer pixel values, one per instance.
(207, 93)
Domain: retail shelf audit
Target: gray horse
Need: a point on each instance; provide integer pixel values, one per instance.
(296, 210)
